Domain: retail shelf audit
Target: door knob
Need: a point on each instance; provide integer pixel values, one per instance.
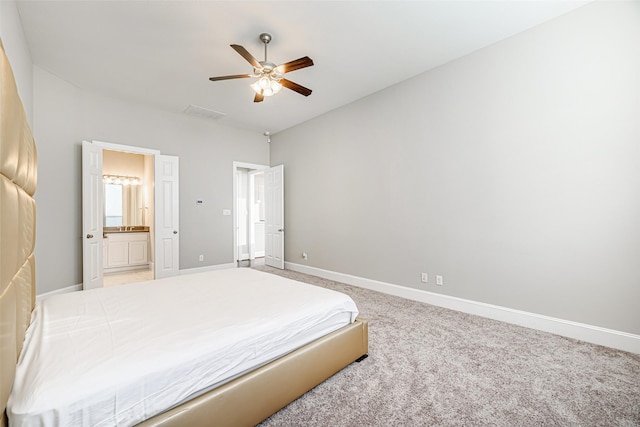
(89, 236)
(175, 232)
(281, 229)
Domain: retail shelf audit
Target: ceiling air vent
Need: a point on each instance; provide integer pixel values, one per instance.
(204, 113)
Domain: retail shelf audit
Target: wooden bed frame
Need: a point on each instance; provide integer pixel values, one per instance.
(244, 401)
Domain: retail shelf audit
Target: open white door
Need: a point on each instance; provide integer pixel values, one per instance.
(92, 189)
(167, 243)
(274, 216)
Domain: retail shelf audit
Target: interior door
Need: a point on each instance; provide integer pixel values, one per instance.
(167, 242)
(274, 216)
(92, 197)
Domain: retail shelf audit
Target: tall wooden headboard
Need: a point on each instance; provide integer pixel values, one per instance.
(18, 175)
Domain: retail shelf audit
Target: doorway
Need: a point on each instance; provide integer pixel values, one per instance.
(249, 213)
(128, 253)
(273, 219)
(156, 207)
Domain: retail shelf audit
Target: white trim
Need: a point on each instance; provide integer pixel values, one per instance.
(208, 268)
(126, 148)
(252, 166)
(580, 331)
(72, 288)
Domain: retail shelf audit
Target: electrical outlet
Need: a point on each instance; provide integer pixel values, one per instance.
(439, 280)
(304, 255)
(424, 278)
(201, 258)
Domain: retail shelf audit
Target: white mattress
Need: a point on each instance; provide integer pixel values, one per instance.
(117, 356)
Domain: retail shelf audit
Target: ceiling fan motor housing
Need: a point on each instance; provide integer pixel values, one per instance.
(265, 38)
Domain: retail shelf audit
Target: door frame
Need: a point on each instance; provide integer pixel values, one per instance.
(236, 166)
(129, 149)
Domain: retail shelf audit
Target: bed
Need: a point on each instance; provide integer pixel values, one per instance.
(244, 395)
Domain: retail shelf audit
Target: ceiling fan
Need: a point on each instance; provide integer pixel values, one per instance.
(270, 79)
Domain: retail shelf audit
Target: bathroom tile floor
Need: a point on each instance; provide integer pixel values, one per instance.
(115, 279)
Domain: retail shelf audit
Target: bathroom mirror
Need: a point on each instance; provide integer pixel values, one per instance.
(123, 205)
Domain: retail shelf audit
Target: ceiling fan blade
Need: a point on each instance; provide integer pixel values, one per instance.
(295, 87)
(258, 98)
(246, 55)
(235, 76)
(295, 65)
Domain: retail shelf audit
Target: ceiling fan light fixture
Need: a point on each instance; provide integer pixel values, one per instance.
(275, 86)
(264, 82)
(256, 87)
(266, 86)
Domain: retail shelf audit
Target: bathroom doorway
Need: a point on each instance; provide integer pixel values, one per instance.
(151, 238)
(128, 180)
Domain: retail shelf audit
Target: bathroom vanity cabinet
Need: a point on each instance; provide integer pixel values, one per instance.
(123, 250)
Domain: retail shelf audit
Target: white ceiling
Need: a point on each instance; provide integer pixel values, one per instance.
(161, 53)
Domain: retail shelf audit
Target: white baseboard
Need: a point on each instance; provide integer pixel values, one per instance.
(580, 331)
(208, 268)
(72, 288)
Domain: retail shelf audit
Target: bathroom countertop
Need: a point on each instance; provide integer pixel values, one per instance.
(127, 229)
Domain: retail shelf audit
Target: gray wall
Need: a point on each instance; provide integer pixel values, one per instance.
(65, 115)
(514, 172)
(15, 46)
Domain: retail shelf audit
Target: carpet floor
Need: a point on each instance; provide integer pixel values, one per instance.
(430, 366)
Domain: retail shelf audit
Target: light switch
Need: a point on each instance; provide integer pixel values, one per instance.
(226, 212)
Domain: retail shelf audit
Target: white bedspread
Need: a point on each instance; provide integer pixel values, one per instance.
(117, 356)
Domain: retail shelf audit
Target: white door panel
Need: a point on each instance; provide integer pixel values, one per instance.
(92, 196)
(167, 221)
(274, 216)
